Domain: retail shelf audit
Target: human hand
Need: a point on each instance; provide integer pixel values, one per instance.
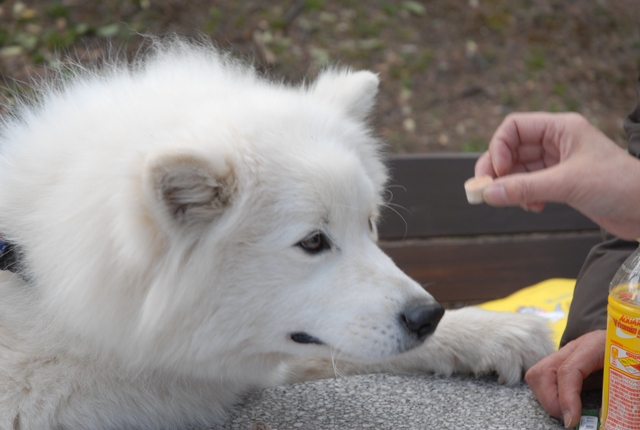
(557, 379)
(542, 157)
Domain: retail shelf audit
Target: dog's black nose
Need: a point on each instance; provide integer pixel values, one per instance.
(422, 319)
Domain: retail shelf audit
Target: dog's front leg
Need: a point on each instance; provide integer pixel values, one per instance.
(472, 340)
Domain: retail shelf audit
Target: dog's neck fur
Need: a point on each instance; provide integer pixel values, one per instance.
(44, 364)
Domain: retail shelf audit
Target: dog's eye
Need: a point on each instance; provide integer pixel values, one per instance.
(315, 243)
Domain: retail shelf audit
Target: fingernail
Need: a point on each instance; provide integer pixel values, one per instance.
(566, 415)
(532, 207)
(495, 195)
(535, 209)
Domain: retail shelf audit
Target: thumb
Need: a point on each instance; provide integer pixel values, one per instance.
(524, 189)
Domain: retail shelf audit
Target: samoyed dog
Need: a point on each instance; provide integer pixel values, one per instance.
(180, 230)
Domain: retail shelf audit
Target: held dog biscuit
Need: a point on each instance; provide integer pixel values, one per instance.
(474, 188)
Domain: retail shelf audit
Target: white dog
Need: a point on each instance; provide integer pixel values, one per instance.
(182, 230)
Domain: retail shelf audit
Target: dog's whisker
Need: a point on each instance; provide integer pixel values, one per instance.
(396, 186)
(336, 371)
(406, 225)
(397, 206)
(390, 193)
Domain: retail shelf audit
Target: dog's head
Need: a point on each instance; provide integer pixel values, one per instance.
(277, 234)
(227, 218)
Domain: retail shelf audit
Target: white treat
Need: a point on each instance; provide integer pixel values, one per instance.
(474, 188)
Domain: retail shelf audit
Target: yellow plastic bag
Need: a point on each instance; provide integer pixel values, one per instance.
(550, 299)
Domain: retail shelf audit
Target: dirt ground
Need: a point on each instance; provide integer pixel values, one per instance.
(450, 69)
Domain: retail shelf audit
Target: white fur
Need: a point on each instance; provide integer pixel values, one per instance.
(158, 208)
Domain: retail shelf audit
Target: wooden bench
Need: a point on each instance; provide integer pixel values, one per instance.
(466, 254)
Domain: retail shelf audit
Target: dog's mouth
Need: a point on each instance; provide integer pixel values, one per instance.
(304, 338)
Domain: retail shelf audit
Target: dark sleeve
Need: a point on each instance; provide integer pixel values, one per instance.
(588, 310)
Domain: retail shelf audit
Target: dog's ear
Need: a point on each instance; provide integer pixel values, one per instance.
(353, 91)
(187, 188)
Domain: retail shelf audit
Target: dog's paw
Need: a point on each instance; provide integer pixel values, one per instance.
(506, 343)
(523, 341)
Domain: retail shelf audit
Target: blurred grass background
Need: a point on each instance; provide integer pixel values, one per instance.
(450, 69)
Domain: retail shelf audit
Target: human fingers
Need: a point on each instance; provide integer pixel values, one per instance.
(529, 190)
(542, 379)
(484, 167)
(587, 357)
(527, 141)
(521, 143)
